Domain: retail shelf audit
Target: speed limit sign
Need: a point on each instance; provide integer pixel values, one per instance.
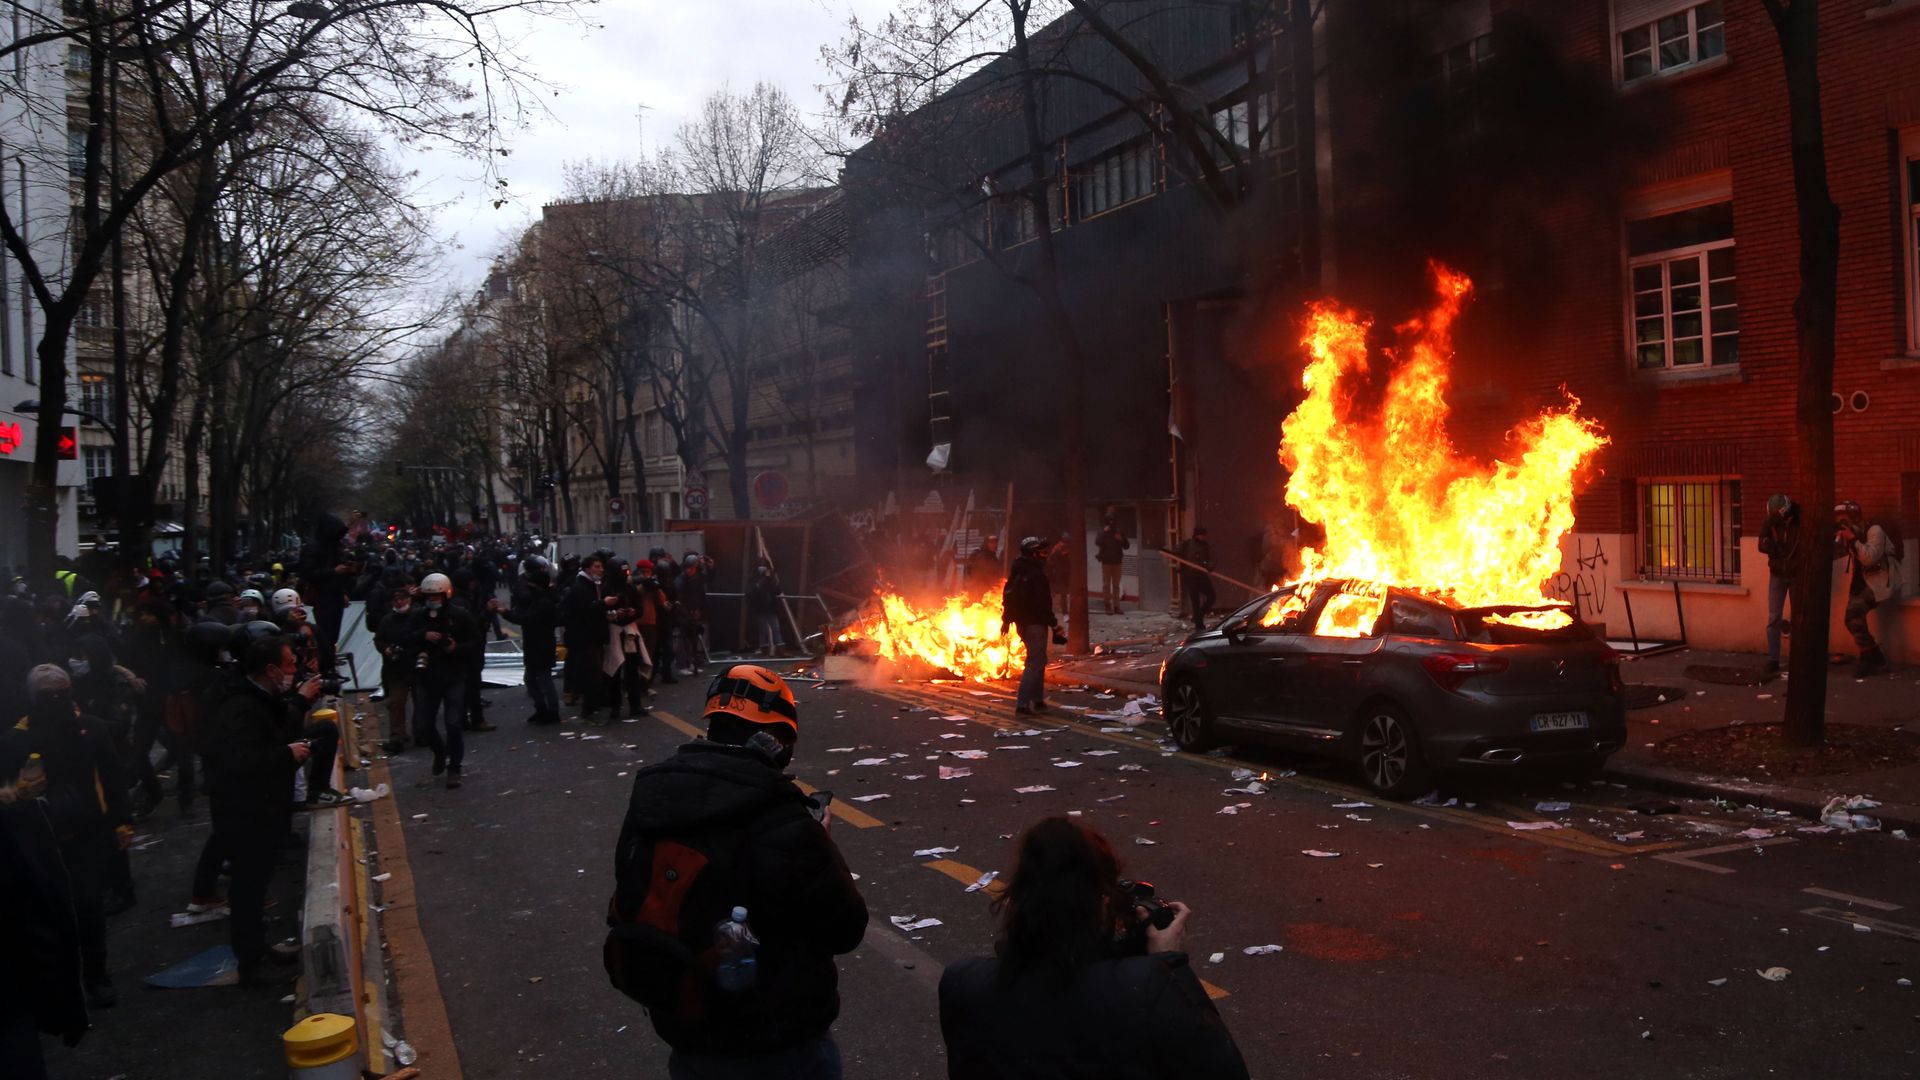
(696, 499)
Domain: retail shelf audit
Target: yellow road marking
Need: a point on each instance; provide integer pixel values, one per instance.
(845, 813)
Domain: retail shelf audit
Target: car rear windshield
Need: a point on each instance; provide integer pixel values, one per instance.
(1475, 626)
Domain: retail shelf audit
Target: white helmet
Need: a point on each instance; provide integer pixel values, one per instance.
(284, 599)
(436, 584)
(254, 595)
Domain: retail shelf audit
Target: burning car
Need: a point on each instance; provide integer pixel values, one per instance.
(1402, 684)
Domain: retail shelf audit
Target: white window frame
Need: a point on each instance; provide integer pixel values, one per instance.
(1690, 194)
(1910, 228)
(96, 461)
(96, 396)
(1656, 69)
(1724, 523)
(1115, 178)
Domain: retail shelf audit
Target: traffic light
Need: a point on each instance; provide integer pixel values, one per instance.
(68, 448)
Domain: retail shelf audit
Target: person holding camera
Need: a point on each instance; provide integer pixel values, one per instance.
(250, 767)
(1089, 978)
(1870, 579)
(442, 636)
(1026, 603)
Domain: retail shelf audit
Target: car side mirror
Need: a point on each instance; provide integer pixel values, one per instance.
(1234, 629)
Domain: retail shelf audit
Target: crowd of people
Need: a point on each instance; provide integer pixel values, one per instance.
(223, 680)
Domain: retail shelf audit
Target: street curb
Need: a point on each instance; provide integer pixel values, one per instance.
(1064, 677)
(1767, 796)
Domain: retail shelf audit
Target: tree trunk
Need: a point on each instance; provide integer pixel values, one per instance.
(196, 438)
(1798, 26)
(1060, 322)
(43, 488)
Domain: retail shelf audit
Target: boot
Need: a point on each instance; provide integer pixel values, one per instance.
(1872, 662)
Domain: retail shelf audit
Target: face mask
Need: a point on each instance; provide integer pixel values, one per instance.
(402, 609)
(283, 681)
(79, 668)
(250, 611)
(433, 604)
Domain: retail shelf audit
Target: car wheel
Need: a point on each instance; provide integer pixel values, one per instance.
(1390, 760)
(1189, 720)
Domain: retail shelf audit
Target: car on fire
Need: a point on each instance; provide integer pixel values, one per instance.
(1408, 688)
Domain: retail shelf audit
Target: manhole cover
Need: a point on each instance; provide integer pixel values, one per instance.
(1646, 696)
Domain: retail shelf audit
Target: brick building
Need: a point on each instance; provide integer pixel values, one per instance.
(1642, 251)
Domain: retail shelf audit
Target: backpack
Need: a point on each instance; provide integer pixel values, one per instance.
(669, 894)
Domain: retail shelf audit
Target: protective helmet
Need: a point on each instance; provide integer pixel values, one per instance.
(604, 554)
(217, 590)
(1777, 505)
(253, 595)
(753, 694)
(284, 599)
(691, 557)
(1033, 545)
(537, 569)
(206, 639)
(436, 585)
(1846, 508)
(245, 634)
(259, 581)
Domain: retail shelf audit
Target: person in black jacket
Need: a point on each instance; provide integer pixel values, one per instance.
(729, 793)
(248, 738)
(1026, 603)
(40, 982)
(444, 636)
(325, 578)
(1083, 984)
(1196, 576)
(585, 617)
(86, 803)
(1782, 542)
(536, 611)
(396, 667)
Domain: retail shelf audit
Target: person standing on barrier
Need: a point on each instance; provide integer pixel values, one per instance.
(250, 769)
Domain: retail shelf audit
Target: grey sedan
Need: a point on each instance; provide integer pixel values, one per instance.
(1402, 686)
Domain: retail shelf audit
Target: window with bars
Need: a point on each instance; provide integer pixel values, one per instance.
(96, 397)
(1685, 310)
(1672, 42)
(1115, 178)
(1690, 528)
(1910, 223)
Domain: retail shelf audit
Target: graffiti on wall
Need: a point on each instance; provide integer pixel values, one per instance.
(1585, 582)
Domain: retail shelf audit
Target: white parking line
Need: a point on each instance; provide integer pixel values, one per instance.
(1878, 926)
(1848, 898)
(1686, 858)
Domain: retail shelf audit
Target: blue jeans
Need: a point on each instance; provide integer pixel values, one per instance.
(1033, 678)
(816, 1060)
(1777, 589)
(540, 689)
(441, 699)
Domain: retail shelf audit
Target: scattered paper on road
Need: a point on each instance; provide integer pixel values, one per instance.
(1773, 974)
(1132, 768)
(911, 923)
(1353, 806)
(871, 761)
(968, 755)
(1066, 764)
(1144, 842)
(1318, 854)
(1534, 826)
(950, 773)
(983, 881)
(935, 851)
(1098, 753)
(1253, 788)
(1234, 808)
(870, 798)
(1216, 958)
(1262, 950)
(1551, 807)
(1032, 789)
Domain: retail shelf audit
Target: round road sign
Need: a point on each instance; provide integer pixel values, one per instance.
(696, 499)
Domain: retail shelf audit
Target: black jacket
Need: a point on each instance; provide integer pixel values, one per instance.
(1195, 550)
(1783, 544)
(243, 735)
(1027, 598)
(801, 900)
(390, 637)
(763, 596)
(584, 616)
(86, 797)
(454, 622)
(322, 586)
(39, 939)
(1137, 1018)
(1111, 545)
(536, 610)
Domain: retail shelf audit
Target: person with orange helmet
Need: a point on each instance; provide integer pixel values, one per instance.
(730, 899)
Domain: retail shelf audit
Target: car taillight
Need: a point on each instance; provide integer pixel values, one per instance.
(1615, 681)
(1450, 670)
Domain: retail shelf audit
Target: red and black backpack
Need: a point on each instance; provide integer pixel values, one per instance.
(669, 894)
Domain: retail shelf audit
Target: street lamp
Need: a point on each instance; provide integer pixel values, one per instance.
(32, 406)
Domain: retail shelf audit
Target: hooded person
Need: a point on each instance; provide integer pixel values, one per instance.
(220, 606)
(41, 988)
(85, 800)
(718, 837)
(327, 577)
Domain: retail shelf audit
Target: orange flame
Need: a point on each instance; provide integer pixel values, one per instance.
(1398, 505)
(961, 635)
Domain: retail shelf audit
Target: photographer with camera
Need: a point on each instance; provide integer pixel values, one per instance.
(1026, 603)
(1089, 977)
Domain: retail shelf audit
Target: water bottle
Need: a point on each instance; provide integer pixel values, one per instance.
(33, 775)
(735, 943)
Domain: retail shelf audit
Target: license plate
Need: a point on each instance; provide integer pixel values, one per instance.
(1559, 721)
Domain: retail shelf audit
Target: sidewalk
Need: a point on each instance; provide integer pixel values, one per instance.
(1130, 649)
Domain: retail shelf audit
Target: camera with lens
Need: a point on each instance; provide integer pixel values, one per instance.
(331, 687)
(1140, 895)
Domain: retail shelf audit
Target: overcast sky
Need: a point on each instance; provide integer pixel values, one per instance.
(665, 54)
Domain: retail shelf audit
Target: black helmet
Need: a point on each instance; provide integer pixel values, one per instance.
(537, 569)
(1033, 545)
(206, 639)
(246, 634)
(604, 554)
(217, 590)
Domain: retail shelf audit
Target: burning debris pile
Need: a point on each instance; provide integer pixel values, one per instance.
(960, 635)
(1398, 505)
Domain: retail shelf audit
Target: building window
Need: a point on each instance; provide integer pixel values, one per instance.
(98, 461)
(1678, 40)
(1684, 310)
(1115, 178)
(96, 397)
(1690, 528)
(1461, 72)
(96, 311)
(76, 151)
(1910, 221)
(79, 59)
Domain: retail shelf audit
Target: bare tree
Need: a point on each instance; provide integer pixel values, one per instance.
(206, 74)
(1797, 25)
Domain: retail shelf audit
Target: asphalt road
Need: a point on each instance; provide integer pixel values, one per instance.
(1438, 941)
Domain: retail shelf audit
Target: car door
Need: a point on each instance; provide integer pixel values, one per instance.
(1240, 665)
(1331, 661)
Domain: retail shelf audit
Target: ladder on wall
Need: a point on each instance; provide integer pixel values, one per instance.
(939, 376)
